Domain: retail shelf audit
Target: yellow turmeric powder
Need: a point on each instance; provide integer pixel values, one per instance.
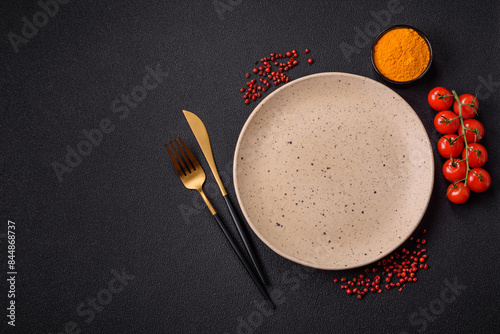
(401, 54)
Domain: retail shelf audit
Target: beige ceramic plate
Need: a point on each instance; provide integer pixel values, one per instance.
(333, 170)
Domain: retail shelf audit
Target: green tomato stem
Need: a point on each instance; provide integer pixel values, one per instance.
(465, 137)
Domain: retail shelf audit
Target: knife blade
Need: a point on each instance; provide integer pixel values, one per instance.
(201, 134)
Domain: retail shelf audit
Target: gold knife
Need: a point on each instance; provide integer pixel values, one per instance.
(201, 134)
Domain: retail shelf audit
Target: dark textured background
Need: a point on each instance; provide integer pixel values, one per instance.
(124, 208)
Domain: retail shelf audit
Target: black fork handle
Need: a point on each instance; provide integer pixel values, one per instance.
(244, 238)
(244, 261)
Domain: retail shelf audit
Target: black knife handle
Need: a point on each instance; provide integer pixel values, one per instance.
(243, 236)
(244, 261)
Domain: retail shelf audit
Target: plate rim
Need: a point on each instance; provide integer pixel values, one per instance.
(265, 240)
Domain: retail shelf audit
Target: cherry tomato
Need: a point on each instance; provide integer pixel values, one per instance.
(478, 180)
(477, 132)
(458, 193)
(440, 98)
(448, 150)
(454, 171)
(443, 124)
(477, 155)
(470, 105)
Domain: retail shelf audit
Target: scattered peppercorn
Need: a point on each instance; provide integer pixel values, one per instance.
(403, 265)
(310, 61)
(265, 71)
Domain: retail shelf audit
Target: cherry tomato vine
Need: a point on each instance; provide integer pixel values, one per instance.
(465, 154)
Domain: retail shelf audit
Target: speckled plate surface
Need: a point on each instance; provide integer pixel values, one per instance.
(333, 170)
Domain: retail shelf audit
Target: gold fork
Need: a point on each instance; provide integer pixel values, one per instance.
(193, 177)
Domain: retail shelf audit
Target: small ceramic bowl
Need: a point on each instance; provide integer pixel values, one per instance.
(402, 82)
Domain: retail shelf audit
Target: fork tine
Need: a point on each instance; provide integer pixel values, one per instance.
(184, 169)
(192, 159)
(174, 161)
(189, 164)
